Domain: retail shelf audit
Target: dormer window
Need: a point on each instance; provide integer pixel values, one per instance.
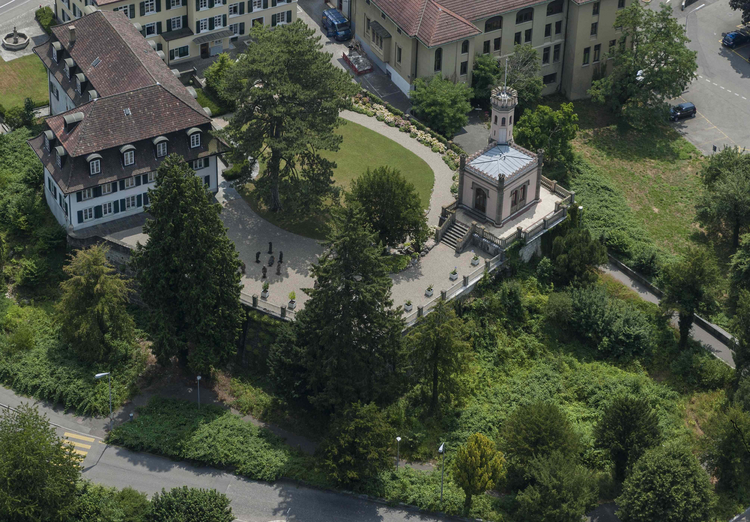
(49, 138)
(54, 54)
(95, 164)
(161, 146)
(69, 66)
(195, 137)
(93, 95)
(60, 153)
(128, 155)
(56, 51)
(80, 81)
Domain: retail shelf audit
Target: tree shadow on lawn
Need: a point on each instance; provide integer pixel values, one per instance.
(660, 143)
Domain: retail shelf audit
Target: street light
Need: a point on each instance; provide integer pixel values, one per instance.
(441, 450)
(109, 378)
(398, 451)
(199, 392)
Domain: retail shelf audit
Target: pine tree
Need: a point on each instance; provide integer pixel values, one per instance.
(478, 467)
(348, 329)
(188, 272)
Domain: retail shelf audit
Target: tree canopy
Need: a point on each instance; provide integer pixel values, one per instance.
(651, 64)
(727, 451)
(741, 5)
(288, 96)
(190, 505)
(550, 130)
(478, 467)
(576, 258)
(189, 271)
(724, 205)
(442, 104)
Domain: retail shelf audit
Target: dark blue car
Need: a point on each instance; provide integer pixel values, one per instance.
(336, 25)
(735, 38)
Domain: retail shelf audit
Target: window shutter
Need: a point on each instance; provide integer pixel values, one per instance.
(122, 205)
(273, 3)
(145, 200)
(265, 4)
(116, 207)
(184, 21)
(171, 55)
(242, 8)
(211, 23)
(139, 201)
(143, 8)
(97, 192)
(122, 184)
(168, 5)
(223, 20)
(249, 6)
(184, 3)
(289, 16)
(98, 211)
(158, 27)
(80, 216)
(159, 47)
(197, 5)
(137, 181)
(158, 6)
(79, 196)
(207, 180)
(114, 186)
(242, 27)
(197, 27)
(169, 28)
(210, 3)
(273, 20)
(131, 11)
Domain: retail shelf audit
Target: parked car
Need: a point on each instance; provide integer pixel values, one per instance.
(735, 38)
(336, 25)
(683, 110)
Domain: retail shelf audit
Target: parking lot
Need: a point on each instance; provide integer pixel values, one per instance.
(721, 91)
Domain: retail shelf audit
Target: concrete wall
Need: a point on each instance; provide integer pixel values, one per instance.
(53, 199)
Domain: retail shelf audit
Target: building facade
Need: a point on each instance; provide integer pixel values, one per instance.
(188, 29)
(410, 39)
(117, 112)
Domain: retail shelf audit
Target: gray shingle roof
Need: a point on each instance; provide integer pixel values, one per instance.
(501, 161)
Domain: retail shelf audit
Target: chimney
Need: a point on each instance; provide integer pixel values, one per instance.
(71, 34)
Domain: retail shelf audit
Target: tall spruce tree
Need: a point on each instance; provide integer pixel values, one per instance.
(189, 271)
(348, 329)
(288, 96)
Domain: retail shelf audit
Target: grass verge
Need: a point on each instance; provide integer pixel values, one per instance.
(22, 78)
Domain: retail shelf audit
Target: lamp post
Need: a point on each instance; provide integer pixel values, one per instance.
(441, 450)
(398, 451)
(109, 378)
(199, 392)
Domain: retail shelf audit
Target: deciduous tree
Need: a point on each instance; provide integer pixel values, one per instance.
(688, 286)
(393, 205)
(651, 65)
(550, 130)
(524, 75)
(442, 104)
(724, 205)
(92, 311)
(628, 427)
(727, 454)
(216, 77)
(189, 271)
(741, 5)
(741, 345)
(38, 471)
(440, 353)
(288, 96)
(478, 467)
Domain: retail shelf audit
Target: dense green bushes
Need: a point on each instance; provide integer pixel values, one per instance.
(46, 18)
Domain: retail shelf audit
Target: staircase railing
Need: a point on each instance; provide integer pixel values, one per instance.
(442, 229)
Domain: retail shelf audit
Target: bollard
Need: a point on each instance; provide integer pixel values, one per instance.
(486, 265)
(443, 295)
(255, 300)
(270, 247)
(420, 311)
(466, 280)
(283, 312)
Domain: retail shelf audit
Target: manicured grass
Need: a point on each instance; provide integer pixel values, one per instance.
(361, 148)
(205, 99)
(21, 78)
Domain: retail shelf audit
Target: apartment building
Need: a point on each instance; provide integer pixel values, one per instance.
(189, 29)
(410, 39)
(117, 112)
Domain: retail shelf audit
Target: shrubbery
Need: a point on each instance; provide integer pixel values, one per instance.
(46, 18)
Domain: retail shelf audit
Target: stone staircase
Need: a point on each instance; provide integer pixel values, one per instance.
(454, 234)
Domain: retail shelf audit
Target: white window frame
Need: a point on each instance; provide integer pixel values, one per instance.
(88, 214)
(202, 5)
(125, 9)
(128, 157)
(152, 176)
(235, 28)
(235, 8)
(58, 160)
(129, 182)
(46, 143)
(203, 25)
(178, 54)
(199, 164)
(217, 22)
(106, 189)
(107, 208)
(131, 202)
(67, 70)
(282, 14)
(257, 5)
(176, 23)
(149, 29)
(54, 54)
(175, 4)
(78, 86)
(95, 167)
(149, 6)
(195, 140)
(161, 149)
(87, 194)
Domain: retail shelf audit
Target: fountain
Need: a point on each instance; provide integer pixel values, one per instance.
(15, 41)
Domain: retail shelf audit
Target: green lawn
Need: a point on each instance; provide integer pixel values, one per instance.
(21, 78)
(360, 149)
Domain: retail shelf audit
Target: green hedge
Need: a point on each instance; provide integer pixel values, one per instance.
(205, 99)
(46, 18)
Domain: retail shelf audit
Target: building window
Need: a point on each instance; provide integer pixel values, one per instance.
(398, 54)
(199, 164)
(367, 25)
(88, 214)
(161, 149)
(95, 167)
(150, 6)
(438, 60)
(257, 21)
(217, 22)
(556, 53)
(586, 55)
(176, 23)
(493, 24)
(107, 209)
(527, 36)
(182, 52)
(54, 54)
(234, 9)
(46, 143)
(464, 68)
(555, 7)
(595, 8)
(548, 30)
(124, 9)
(67, 70)
(58, 160)
(486, 47)
(594, 28)
(87, 194)
(257, 4)
(465, 47)
(496, 43)
(174, 4)
(620, 4)
(195, 140)
(545, 55)
(281, 19)
(517, 38)
(377, 40)
(525, 15)
(151, 176)
(128, 158)
(549, 78)
(597, 52)
(611, 51)
(107, 188)
(558, 27)
(130, 202)
(202, 4)
(235, 28)
(149, 29)
(129, 182)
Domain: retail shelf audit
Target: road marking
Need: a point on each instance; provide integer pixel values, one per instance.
(722, 88)
(80, 452)
(715, 83)
(736, 94)
(79, 437)
(744, 98)
(699, 7)
(79, 444)
(11, 1)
